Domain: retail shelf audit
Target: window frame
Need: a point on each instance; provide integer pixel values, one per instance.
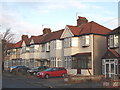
(84, 40)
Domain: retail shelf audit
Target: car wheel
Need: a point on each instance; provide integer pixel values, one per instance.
(63, 75)
(47, 76)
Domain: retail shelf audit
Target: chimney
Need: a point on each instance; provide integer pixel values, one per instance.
(81, 20)
(46, 30)
(24, 37)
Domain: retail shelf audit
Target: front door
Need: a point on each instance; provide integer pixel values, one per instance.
(109, 69)
(78, 67)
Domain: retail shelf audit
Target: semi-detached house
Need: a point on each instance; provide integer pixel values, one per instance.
(77, 48)
(83, 46)
(111, 59)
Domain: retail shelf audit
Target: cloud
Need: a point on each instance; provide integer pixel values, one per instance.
(11, 19)
(18, 27)
(46, 6)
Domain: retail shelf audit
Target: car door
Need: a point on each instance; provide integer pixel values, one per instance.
(60, 71)
(53, 72)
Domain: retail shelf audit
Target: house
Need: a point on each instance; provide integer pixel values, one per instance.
(16, 53)
(83, 47)
(77, 48)
(51, 48)
(111, 59)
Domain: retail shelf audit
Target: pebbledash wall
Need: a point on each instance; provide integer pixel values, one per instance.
(60, 55)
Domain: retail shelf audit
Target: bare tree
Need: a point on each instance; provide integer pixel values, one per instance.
(6, 37)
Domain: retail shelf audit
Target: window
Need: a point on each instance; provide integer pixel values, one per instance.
(27, 49)
(54, 69)
(58, 44)
(59, 63)
(86, 62)
(68, 63)
(32, 49)
(43, 47)
(47, 46)
(75, 41)
(85, 40)
(83, 62)
(67, 42)
(52, 44)
(23, 49)
(113, 41)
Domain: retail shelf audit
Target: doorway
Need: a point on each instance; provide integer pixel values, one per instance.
(110, 68)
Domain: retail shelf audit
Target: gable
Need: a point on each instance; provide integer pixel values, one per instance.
(66, 33)
(32, 41)
(23, 44)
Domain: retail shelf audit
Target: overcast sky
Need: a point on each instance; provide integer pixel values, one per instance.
(31, 17)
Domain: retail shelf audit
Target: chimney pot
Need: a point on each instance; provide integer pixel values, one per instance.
(46, 30)
(81, 20)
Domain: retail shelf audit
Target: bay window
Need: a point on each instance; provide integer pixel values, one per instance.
(68, 62)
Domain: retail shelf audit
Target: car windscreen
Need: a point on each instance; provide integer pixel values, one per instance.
(36, 68)
(49, 69)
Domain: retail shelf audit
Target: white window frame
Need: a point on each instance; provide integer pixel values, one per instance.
(115, 40)
(32, 48)
(23, 49)
(85, 41)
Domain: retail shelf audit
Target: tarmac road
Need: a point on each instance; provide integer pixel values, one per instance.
(12, 81)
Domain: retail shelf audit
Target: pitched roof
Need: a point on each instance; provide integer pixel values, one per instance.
(10, 45)
(52, 36)
(18, 44)
(74, 29)
(111, 54)
(116, 30)
(37, 39)
(90, 27)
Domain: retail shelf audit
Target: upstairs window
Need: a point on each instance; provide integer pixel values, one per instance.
(85, 41)
(43, 47)
(113, 41)
(47, 46)
(53, 44)
(23, 49)
(32, 48)
(58, 44)
(67, 42)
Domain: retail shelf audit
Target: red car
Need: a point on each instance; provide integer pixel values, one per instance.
(52, 72)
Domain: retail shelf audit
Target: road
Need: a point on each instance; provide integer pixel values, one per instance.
(12, 81)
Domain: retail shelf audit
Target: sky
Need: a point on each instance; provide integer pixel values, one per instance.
(31, 16)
